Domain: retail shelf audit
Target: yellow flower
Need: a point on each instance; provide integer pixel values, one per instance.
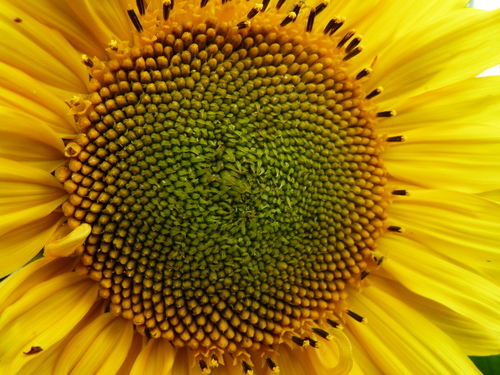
(248, 187)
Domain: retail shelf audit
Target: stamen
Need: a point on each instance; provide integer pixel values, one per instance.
(310, 20)
(313, 343)
(354, 43)
(243, 25)
(289, 18)
(141, 7)
(280, 4)
(87, 61)
(247, 369)
(346, 38)
(17, 20)
(167, 7)
(333, 323)
(397, 138)
(265, 4)
(305, 342)
(364, 73)
(296, 9)
(333, 25)
(272, 365)
(356, 317)
(135, 20)
(203, 3)
(374, 93)
(386, 113)
(364, 274)
(380, 260)
(400, 192)
(356, 51)
(113, 45)
(255, 10)
(204, 367)
(322, 333)
(215, 361)
(393, 228)
(321, 7)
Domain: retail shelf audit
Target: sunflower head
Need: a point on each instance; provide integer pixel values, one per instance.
(228, 166)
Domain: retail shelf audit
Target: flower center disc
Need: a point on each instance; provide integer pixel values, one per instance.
(232, 181)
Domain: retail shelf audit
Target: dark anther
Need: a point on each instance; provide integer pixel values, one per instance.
(167, 6)
(386, 114)
(322, 333)
(346, 38)
(299, 341)
(354, 43)
(310, 20)
(253, 12)
(333, 25)
(356, 51)
(394, 228)
(333, 323)
(364, 73)
(400, 192)
(280, 3)
(247, 369)
(135, 20)
(203, 365)
(141, 6)
(379, 260)
(243, 25)
(34, 350)
(364, 274)
(321, 7)
(17, 19)
(265, 4)
(355, 316)
(203, 3)
(271, 364)
(374, 93)
(396, 138)
(287, 20)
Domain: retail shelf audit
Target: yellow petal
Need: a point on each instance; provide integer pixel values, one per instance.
(448, 156)
(20, 91)
(426, 273)
(26, 194)
(64, 246)
(43, 316)
(400, 340)
(28, 277)
(26, 139)
(157, 358)
(471, 101)
(462, 226)
(138, 343)
(460, 45)
(57, 63)
(59, 16)
(99, 348)
(19, 246)
(472, 337)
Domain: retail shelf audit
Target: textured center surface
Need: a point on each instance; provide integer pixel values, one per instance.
(232, 181)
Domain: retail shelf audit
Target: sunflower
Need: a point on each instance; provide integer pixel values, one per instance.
(237, 187)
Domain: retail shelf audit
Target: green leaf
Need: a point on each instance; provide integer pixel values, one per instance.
(488, 365)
